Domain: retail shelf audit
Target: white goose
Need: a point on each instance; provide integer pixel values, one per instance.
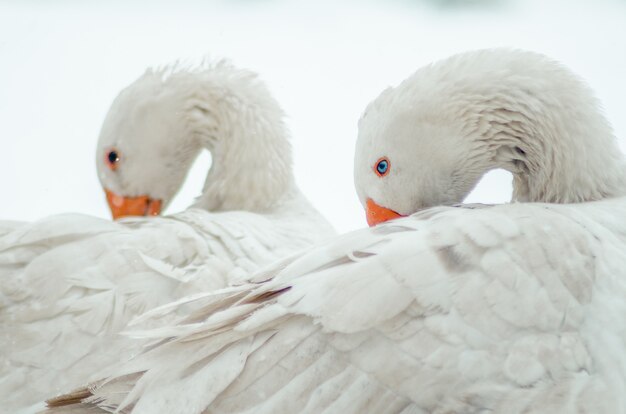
(71, 282)
(515, 308)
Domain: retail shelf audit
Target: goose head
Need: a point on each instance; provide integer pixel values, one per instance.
(428, 141)
(157, 126)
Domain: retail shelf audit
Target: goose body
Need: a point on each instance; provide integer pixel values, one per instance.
(449, 310)
(70, 283)
(516, 308)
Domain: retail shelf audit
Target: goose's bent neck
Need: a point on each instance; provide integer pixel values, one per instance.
(545, 126)
(232, 114)
(555, 160)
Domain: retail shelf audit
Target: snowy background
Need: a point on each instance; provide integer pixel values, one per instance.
(63, 62)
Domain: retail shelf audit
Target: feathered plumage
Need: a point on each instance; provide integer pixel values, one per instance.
(509, 309)
(70, 283)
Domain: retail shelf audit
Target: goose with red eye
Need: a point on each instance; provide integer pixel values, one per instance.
(251, 212)
(122, 206)
(158, 125)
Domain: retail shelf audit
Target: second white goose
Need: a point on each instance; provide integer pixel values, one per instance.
(69, 283)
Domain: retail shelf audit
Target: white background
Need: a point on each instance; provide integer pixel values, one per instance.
(62, 63)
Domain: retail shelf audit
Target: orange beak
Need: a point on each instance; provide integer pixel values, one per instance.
(376, 214)
(132, 206)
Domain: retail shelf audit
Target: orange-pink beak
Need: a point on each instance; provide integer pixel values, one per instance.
(377, 214)
(132, 206)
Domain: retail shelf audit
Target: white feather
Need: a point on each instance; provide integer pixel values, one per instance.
(407, 326)
(71, 283)
(509, 309)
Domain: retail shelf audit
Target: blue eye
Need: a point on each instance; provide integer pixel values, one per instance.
(382, 167)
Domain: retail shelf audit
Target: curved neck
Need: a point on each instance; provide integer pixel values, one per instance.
(233, 116)
(556, 153)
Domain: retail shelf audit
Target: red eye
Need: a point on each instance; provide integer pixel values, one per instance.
(112, 158)
(381, 168)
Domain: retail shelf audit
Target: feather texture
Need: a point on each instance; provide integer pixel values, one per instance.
(510, 309)
(71, 283)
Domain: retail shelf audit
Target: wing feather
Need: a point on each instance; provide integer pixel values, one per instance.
(510, 309)
(71, 283)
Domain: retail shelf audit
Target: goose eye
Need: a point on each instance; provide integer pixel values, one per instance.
(112, 159)
(382, 167)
